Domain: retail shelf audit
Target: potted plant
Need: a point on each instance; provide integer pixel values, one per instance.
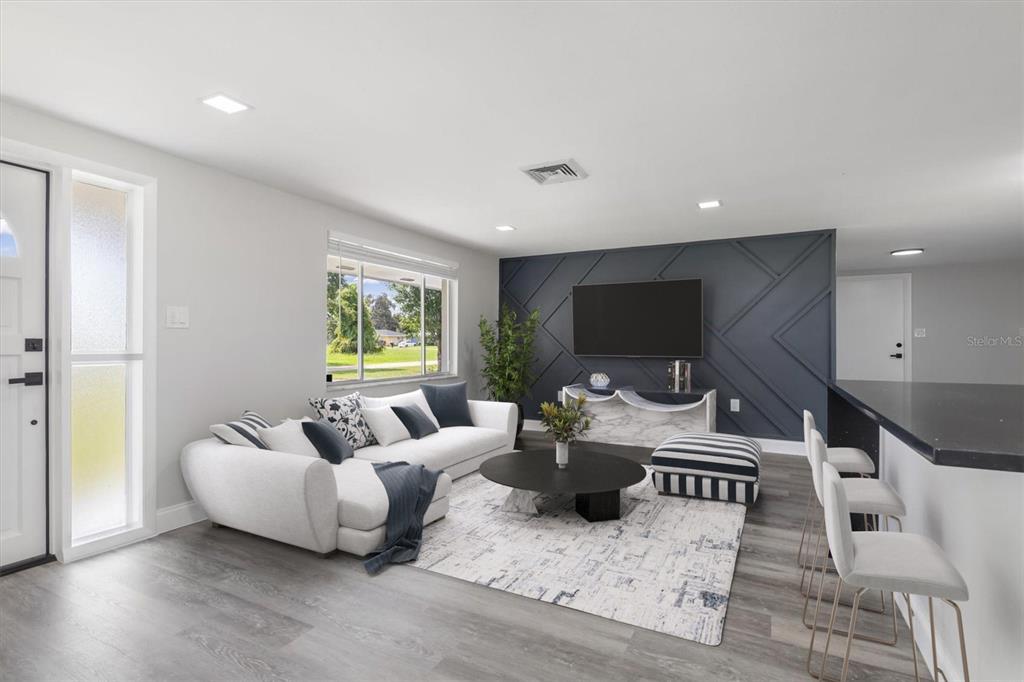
(566, 423)
(508, 357)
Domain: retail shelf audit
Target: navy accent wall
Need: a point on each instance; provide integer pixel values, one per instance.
(768, 323)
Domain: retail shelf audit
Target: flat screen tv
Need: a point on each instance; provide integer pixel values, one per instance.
(660, 319)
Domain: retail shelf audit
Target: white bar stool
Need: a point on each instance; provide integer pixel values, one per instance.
(864, 496)
(892, 562)
(845, 460)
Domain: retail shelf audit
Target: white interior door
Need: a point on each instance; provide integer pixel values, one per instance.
(23, 215)
(872, 327)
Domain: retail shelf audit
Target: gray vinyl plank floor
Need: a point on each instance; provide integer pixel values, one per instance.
(217, 604)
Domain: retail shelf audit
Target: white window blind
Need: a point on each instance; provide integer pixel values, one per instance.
(359, 250)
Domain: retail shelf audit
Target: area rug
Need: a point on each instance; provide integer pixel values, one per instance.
(667, 565)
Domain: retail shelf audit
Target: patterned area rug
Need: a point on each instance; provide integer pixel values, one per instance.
(667, 565)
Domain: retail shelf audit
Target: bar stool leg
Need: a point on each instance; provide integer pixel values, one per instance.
(935, 652)
(803, 529)
(828, 637)
(810, 583)
(963, 643)
(810, 566)
(913, 642)
(853, 630)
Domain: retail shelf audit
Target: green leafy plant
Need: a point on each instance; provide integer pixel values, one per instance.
(342, 313)
(508, 354)
(566, 423)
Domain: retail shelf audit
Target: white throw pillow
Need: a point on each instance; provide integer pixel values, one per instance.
(385, 424)
(411, 398)
(289, 437)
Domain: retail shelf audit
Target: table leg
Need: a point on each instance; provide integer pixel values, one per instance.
(599, 506)
(520, 501)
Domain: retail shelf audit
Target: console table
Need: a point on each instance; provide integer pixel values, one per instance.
(627, 416)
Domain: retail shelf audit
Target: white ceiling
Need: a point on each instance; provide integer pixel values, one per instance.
(899, 123)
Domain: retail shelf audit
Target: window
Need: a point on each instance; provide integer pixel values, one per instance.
(388, 316)
(106, 359)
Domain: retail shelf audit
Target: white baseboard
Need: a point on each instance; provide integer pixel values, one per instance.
(178, 515)
(782, 447)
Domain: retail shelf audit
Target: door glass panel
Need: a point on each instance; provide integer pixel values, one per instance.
(8, 242)
(98, 466)
(99, 269)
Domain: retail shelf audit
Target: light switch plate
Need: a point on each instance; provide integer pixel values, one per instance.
(176, 317)
(734, 404)
(920, 333)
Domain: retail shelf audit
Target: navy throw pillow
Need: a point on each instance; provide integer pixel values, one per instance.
(448, 403)
(412, 417)
(328, 441)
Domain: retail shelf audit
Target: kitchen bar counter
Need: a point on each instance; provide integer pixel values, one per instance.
(954, 453)
(977, 426)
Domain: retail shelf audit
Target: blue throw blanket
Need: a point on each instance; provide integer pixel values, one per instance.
(410, 489)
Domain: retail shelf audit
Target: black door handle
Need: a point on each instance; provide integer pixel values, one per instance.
(896, 355)
(30, 379)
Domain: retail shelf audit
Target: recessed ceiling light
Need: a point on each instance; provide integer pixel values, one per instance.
(505, 228)
(906, 252)
(714, 203)
(226, 104)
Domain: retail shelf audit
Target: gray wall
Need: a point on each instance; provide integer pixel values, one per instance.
(249, 261)
(956, 302)
(768, 322)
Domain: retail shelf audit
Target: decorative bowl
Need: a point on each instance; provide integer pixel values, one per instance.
(599, 380)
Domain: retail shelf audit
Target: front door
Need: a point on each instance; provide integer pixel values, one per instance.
(871, 325)
(23, 485)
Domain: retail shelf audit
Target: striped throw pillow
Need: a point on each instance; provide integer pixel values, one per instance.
(244, 431)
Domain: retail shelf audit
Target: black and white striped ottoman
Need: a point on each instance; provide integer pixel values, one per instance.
(716, 466)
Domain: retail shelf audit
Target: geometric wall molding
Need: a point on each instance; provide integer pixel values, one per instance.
(768, 323)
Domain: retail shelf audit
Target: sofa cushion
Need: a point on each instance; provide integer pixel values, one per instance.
(328, 441)
(386, 426)
(439, 450)
(362, 499)
(288, 436)
(414, 420)
(448, 403)
(242, 432)
(346, 415)
(411, 398)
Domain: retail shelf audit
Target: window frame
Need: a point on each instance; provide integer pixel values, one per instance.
(134, 359)
(362, 255)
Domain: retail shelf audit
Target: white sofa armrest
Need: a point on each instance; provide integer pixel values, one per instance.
(278, 495)
(492, 415)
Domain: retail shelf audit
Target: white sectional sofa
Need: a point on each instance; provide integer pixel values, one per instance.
(310, 503)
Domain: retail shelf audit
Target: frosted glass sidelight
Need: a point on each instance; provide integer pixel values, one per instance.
(99, 480)
(99, 269)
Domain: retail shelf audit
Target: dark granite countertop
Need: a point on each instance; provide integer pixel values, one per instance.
(979, 426)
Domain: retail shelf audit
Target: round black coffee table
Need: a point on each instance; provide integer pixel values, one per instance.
(597, 479)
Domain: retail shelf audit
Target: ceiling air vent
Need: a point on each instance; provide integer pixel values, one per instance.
(555, 172)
